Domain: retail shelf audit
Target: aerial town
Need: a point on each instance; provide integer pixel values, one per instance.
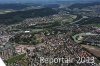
(62, 34)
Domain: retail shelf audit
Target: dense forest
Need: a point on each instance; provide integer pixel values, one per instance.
(19, 16)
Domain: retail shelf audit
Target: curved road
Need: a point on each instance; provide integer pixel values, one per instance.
(80, 36)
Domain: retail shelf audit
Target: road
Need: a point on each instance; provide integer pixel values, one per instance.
(82, 34)
(79, 20)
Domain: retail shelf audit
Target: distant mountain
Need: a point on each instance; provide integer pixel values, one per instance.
(83, 5)
(17, 6)
(13, 6)
(52, 5)
(27, 1)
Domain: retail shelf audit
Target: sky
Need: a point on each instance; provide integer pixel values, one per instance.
(21, 1)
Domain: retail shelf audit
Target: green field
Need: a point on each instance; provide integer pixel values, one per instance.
(6, 11)
(37, 30)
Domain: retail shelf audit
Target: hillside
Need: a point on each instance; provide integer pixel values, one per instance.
(19, 16)
(83, 5)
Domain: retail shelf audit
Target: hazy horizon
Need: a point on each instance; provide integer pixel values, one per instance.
(39, 1)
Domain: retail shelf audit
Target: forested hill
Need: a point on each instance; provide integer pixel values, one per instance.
(13, 6)
(19, 16)
(83, 5)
